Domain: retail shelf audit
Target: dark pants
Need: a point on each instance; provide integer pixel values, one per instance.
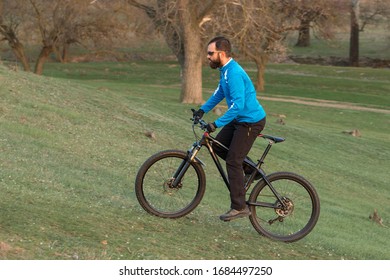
(239, 138)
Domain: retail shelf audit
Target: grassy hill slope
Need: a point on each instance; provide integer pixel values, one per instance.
(71, 145)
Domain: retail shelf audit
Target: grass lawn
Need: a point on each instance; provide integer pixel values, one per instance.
(72, 141)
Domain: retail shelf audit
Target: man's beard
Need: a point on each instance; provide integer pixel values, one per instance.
(215, 63)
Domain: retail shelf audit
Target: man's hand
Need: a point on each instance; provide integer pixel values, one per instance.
(197, 115)
(211, 127)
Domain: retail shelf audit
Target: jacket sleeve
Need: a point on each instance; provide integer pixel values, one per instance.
(236, 100)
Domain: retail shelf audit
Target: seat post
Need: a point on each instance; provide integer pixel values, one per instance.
(261, 160)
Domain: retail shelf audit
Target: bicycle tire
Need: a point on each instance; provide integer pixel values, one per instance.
(154, 190)
(293, 223)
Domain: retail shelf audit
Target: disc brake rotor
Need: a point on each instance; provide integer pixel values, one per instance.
(168, 185)
(285, 211)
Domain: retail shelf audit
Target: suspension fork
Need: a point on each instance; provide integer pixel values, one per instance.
(185, 164)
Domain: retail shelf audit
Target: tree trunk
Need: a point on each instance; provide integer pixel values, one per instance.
(260, 61)
(16, 46)
(18, 50)
(354, 39)
(45, 52)
(65, 53)
(304, 34)
(191, 89)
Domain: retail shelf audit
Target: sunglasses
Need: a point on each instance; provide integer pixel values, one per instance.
(211, 53)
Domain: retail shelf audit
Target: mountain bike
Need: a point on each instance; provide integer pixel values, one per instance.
(284, 206)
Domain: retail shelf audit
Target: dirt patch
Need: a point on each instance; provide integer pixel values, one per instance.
(341, 61)
(325, 103)
(6, 250)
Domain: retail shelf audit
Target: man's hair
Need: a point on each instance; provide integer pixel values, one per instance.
(222, 44)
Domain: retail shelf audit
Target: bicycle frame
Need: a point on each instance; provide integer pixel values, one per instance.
(208, 141)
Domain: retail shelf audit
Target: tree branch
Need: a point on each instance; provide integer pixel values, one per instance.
(39, 18)
(150, 11)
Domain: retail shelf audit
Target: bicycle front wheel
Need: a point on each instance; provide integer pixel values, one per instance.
(155, 190)
(293, 221)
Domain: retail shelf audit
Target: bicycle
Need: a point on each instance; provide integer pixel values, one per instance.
(284, 206)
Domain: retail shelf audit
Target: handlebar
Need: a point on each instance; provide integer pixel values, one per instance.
(200, 123)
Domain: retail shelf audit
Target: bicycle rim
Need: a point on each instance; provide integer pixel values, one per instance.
(297, 219)
(155, 191)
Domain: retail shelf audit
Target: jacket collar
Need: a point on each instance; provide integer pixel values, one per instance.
(226, 64)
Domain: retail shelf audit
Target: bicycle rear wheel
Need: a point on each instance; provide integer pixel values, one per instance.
(154, 185)
(294, 221)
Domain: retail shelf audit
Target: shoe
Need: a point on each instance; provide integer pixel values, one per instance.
(234, 214)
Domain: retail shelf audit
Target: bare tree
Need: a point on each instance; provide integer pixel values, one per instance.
(66, 22)
(320, 15)
(59, 23)
(181, 24)
(8, 31)
(96, 22)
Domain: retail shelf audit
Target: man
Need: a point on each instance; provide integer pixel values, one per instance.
(242, 122)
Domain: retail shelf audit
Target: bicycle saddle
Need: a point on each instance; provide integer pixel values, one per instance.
(272, 138)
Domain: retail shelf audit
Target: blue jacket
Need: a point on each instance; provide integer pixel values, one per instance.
(238, 90)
